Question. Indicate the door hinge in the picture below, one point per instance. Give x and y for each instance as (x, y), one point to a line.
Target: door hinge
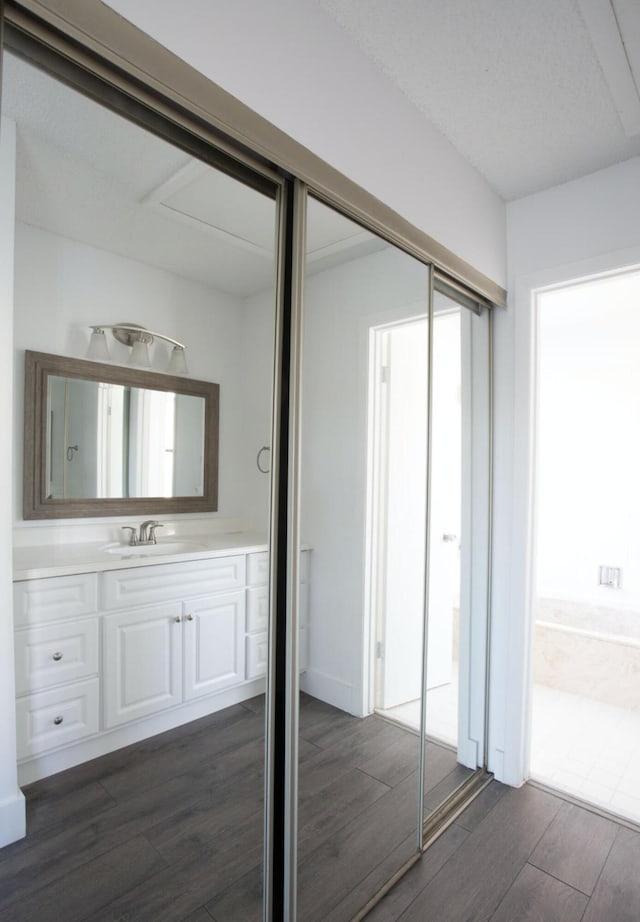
(379, 650)
(385, 373)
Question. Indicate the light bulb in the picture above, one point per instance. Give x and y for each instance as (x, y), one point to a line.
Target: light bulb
(98, 350)
(140, 354)
(178, 362)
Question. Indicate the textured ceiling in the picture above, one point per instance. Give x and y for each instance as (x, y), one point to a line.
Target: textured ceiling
(515, 85)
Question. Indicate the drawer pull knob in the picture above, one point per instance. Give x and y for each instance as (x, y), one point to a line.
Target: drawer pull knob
(57, 657)
(58, 720)
(178, 619)
(189, 617)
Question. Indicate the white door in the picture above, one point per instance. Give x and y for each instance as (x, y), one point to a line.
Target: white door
(402, 445)
(446, 480)
(214, 652)
(142, 662)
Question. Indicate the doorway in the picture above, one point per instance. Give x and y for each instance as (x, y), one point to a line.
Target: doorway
(586, 605)
(400, 382)
(429, 525)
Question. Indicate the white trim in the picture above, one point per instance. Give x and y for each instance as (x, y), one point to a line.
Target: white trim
(369, 329)
(13, 819)
(376, 499)
(332, 690)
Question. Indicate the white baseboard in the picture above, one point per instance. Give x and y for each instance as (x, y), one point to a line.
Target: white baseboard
(330, 689)
(13, 819)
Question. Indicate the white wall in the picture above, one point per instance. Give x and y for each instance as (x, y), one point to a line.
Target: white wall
(291, 63)
(61, 286)
(12, 812)
(257, 337)
(588, 442)
(575, 230)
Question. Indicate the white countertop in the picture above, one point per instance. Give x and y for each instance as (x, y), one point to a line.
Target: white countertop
(66, 559)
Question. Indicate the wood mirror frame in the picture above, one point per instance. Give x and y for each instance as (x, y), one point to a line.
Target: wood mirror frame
(36, 504)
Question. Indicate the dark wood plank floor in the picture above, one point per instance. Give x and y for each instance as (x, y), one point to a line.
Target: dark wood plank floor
(171, 829)
(522, 856)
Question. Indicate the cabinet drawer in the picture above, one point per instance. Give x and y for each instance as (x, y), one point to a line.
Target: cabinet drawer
(257, 654)
(56, 653)
(257, 608)
(53, 718)
(146, 585)
(258, 569)
(58, 598)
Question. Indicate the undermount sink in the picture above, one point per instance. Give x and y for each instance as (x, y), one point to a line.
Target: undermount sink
(154, 550)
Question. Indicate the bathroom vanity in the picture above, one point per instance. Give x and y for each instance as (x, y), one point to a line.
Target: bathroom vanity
(113, 646)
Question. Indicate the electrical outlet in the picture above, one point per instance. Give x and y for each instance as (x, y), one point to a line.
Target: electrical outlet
(611, 577)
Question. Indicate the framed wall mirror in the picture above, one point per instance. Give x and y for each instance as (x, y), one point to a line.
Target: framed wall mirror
(110, 440)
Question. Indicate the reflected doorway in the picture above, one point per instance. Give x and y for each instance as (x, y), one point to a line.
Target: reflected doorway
(400, 382)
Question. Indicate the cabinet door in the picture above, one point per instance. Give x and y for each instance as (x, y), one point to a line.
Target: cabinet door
(213, 643)
(142, 662)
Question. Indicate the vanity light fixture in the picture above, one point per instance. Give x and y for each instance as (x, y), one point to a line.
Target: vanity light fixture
(138, 339)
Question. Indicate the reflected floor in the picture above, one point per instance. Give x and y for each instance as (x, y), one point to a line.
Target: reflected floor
(172, 826)
(587, 748)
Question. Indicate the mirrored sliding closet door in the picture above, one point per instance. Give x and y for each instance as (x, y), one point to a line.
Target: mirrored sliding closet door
(125, 226)
(362, 522)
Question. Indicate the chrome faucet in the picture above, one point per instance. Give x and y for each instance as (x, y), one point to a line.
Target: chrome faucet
(148, 532)
(145, 535)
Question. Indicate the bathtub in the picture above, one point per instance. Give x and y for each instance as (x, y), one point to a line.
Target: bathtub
(588, 650)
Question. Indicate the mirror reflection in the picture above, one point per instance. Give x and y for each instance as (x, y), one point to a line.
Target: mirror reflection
(107, 441)
(103, 439)
(359, 816)
(164, 654)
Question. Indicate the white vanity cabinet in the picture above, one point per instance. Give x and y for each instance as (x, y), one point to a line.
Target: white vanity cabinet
(157, 655)
(57, 662)
(107, 658)
(258, 612)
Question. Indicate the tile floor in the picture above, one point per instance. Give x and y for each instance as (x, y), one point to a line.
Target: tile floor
(587, 749)
(583, 747)
(442, 712)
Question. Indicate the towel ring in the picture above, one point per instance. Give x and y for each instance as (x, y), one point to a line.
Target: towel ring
(263, 470)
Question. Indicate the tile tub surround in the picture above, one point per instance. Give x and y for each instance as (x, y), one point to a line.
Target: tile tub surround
(589, 651)
(598, 619)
